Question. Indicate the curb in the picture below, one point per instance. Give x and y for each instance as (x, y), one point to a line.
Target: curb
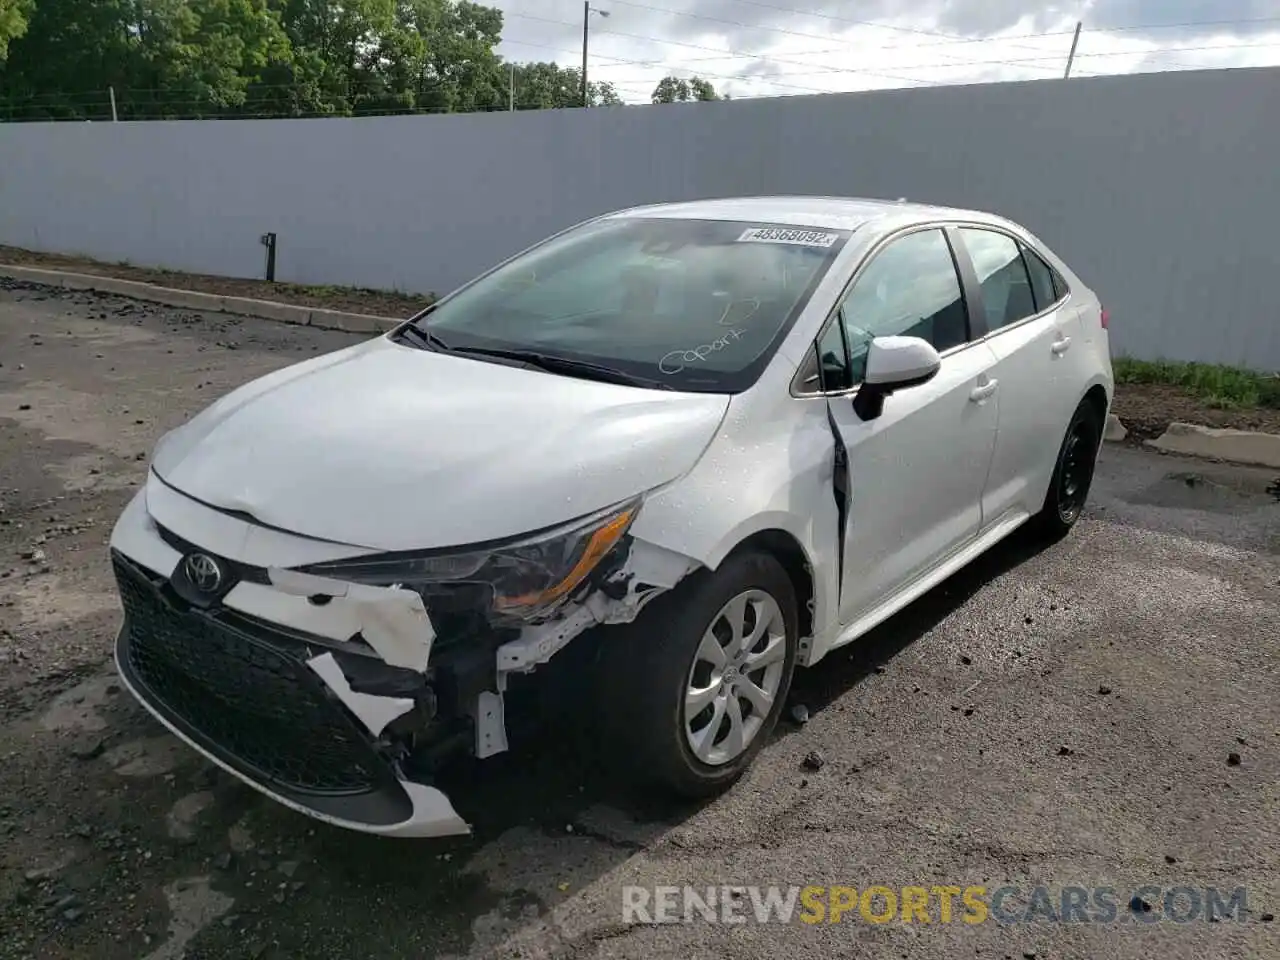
(1233, 446)
(193, 300)
(1115, 431)
(1250, 448)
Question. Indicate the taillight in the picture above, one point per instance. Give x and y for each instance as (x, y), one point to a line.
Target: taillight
(1106, 319)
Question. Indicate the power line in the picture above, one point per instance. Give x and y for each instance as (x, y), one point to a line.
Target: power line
(726, 53)
(749, 26)
(1237, 22)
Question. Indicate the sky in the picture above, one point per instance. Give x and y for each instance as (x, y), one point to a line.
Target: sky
(753, 48)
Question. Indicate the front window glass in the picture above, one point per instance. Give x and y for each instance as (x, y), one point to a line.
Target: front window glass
(910, 289)
(694, 304)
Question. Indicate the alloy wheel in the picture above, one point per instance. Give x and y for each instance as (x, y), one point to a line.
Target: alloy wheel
(735, 677)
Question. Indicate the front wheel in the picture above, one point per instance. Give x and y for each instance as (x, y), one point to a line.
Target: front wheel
(1072, 473)
(700, 678)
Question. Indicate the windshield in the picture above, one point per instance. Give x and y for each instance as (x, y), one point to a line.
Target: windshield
(696, 305)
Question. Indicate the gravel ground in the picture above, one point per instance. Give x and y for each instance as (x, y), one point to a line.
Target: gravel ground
(1101, 713)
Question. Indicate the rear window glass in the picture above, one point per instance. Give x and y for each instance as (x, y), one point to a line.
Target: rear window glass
(1042, 284)
(699, 304)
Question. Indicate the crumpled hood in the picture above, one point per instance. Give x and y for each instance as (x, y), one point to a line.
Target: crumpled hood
(393, 448)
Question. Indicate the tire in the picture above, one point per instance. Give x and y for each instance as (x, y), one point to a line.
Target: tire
(1072, 474)
(651, 664)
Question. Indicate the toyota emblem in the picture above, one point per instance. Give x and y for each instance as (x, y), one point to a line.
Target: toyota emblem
(204, 572)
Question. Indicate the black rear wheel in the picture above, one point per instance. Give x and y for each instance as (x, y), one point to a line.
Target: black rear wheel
(1073, 473)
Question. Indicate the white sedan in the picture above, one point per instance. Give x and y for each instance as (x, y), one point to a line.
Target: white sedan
(714, 439)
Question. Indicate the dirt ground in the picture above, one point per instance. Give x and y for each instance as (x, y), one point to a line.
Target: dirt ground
(378, 303)
(1100, 713)
(1147, 409)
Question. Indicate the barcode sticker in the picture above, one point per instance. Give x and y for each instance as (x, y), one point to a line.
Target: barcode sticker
(804, 238)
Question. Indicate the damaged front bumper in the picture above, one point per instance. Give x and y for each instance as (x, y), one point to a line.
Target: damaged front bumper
(335, 699)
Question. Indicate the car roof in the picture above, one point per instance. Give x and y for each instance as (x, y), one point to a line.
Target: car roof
(832, 213)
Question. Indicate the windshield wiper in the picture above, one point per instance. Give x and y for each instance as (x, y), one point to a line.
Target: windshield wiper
(423, 338)
(556, 364)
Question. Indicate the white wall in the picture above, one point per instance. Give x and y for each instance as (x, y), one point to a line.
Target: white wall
(1161, 190)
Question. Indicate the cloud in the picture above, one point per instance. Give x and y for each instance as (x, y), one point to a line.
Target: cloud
(784, 47)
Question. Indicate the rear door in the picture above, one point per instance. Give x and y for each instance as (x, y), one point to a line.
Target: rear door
(1032, 328)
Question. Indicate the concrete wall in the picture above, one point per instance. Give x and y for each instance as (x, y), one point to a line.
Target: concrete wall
(1161, 190)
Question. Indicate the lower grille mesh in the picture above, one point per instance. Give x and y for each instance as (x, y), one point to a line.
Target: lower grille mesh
(250, 700)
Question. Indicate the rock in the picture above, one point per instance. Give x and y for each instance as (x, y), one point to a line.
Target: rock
(1233, 759)
(88, 749)
(24, 406)
(1065, 751)
(966, 660)
(1104, 690)
(800, 713)
(1267, 917)
(813, 760)
(1170, 859)
(1028, 619)
(1138, 905)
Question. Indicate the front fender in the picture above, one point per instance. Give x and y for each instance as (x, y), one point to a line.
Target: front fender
(761, 473)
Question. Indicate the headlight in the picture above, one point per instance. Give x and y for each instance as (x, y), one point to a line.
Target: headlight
(516, 582)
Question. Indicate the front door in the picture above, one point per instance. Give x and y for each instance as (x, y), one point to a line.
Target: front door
(916, 472)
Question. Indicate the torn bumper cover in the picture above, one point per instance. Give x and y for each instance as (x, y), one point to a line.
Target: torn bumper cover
(337, 699)
(266, 706)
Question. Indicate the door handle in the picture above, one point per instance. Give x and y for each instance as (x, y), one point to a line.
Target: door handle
(1061, 346)
(978, 394)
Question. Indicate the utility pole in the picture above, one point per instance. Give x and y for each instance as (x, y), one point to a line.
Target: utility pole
(112, 92)
(511, 94)
(587, 11)
(1075, 40)
(586, 19)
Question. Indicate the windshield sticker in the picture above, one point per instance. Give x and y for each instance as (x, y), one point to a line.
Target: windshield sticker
(803, 238)
(677, 360)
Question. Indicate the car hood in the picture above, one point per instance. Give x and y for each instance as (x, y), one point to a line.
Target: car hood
(393, 448)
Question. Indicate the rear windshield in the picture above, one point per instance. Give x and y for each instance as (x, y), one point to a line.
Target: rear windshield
(698, 305)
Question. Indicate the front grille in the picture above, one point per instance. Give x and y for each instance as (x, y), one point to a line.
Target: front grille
(248, 698)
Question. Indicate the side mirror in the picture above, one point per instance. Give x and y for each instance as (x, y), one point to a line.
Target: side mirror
(894, 363)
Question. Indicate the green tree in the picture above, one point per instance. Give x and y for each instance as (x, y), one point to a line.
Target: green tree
(456, 68)
(337, 48)
(68, 56)
(549, 86)
(13, 22)
(201, 57)
(678, 90)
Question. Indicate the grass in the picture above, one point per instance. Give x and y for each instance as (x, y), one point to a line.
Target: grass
(1219, 386)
